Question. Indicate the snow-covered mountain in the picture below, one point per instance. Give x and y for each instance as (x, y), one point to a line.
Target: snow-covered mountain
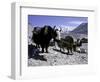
(81, 29)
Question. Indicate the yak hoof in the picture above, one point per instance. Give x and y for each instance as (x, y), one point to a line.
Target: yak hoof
(69, 53)
(42, 51)
(47, 52)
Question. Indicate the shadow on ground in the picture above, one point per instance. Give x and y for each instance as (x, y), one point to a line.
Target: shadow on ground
(62, 52)
(38, 57)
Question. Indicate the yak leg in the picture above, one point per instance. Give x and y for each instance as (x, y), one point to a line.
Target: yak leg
(74, 47)
(42, 48)
(63, 49)
(71, 50)
(68, 50)
(36, 45)
(60, 50)
(46, 48)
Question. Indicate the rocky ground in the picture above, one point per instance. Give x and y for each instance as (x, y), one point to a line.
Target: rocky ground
(55, 57)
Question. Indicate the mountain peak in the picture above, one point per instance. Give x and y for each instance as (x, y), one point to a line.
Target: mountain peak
(81, 29)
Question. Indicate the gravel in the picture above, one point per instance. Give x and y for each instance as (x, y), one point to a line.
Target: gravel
(57, 58)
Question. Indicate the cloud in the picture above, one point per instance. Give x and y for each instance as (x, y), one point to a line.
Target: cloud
(76, 22)
(67, 27)
(71, 25)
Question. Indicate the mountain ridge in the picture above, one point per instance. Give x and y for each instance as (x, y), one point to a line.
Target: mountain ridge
(81, 29)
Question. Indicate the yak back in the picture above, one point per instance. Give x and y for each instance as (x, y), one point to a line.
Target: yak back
(46, 34)
(66, 42)
(69, 39)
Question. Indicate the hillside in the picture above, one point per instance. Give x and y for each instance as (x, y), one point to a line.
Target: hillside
(81, 29)
(30, 29)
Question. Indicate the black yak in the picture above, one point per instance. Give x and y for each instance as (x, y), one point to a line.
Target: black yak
(77, 44)
(67, 43)
(84, 40)
(32, 51)
(77, 47)
(43, 36)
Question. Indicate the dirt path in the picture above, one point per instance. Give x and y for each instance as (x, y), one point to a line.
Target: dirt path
(58, 58)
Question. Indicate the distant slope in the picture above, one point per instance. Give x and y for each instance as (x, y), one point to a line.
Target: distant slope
(81, 29)
(30, 29)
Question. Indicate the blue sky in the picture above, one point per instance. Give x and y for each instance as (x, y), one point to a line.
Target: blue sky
(60, 21)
